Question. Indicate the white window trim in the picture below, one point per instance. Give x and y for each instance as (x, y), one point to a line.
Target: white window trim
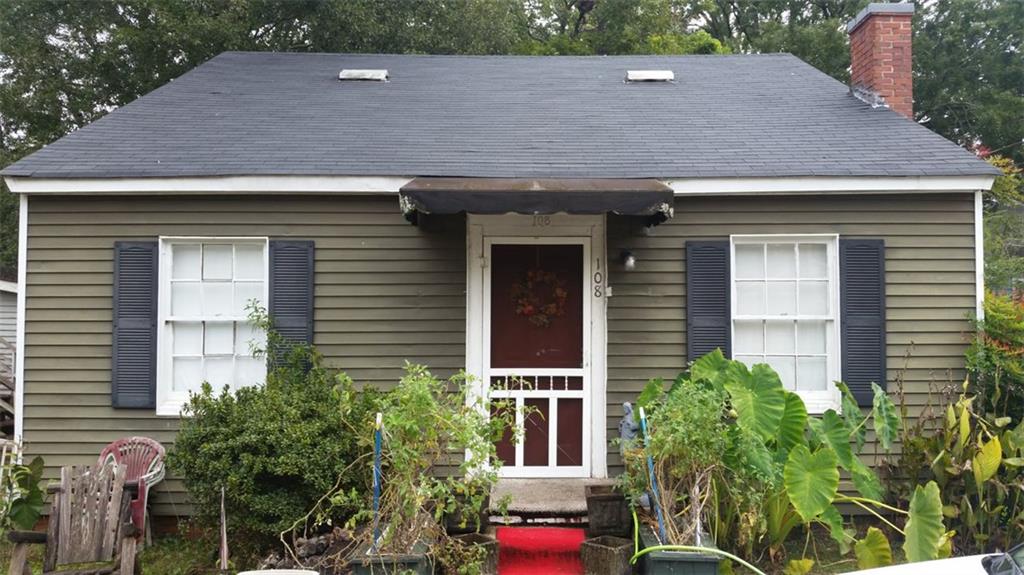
(168, 402)
(816, 402)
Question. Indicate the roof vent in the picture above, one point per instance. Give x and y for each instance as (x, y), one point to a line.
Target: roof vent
(650, 76)
(367, 75)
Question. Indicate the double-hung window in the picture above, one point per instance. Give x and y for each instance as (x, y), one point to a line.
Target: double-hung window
(785, 302)
(206, 286)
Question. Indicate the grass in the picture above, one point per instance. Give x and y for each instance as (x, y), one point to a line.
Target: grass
(171, 555)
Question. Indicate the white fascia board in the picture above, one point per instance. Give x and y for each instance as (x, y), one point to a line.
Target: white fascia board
(210, 185)
(10, 287)
(19, 345)
(824, 184)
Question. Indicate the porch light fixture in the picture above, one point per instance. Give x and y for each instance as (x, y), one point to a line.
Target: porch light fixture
(364, 75)
(628, 260)
(650, 76)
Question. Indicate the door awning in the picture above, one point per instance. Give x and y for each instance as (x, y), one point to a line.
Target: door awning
(649, 198)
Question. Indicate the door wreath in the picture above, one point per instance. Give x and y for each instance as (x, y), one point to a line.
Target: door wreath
(540, 297)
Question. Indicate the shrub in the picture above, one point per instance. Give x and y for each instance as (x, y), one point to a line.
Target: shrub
(275, 448)
(995, 358)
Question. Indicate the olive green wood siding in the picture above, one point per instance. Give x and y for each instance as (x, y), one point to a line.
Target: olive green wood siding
(930, 281)
(385, 292)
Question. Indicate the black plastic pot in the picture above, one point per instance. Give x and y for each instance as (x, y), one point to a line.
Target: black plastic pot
(607, 512)
(606, 555)
(490, 547)
(362, 562)
(674, 562)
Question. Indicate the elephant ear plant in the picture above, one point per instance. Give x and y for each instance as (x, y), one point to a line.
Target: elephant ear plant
(737, 454)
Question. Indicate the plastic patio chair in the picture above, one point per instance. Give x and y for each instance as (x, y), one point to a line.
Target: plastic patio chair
(144, 459)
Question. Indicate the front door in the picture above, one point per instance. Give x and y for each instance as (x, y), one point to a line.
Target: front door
(537, 312)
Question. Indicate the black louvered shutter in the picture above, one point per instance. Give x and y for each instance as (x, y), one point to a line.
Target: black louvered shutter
(862, 315)
(291, 289)
(708, 298)
(133, 365)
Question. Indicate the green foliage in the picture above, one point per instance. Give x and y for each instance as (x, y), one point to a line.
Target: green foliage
(924, 530)
(758, 397)
(812, 480)
(873, 550)
(275, 448)
(22, 497)
(974, 458)
(994, 361)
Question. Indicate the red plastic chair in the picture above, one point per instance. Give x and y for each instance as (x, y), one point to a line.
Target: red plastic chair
(144, 459)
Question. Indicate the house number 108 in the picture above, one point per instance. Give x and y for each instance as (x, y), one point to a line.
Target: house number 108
(598, 279)
(541, 221)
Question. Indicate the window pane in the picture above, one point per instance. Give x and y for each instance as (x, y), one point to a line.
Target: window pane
(188, 373)
(249, 371)
(780, 336)
(246, 335)
(781, 298)
(786, 369)
(750, 261)
(248, 262)
(749, 337)
(750, 360)
(220, 338)
(185, 299)
(244, 293)
(782, 261)
(188, 338)
(814, 298)
(185, 261)
(812, 374)
(219, 371)
(750, 298)
(217, 261)
(217, 299)
(813, 261)
(811, 337)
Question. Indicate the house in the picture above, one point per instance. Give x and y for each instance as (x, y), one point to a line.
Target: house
(8, 357)
(557, 218)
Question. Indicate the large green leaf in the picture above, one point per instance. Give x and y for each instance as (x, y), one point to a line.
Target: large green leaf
(866, 480)
(812, 480)
(874, 550)
(834, 521)
(853, 416)
(833, 432)
(711, 367)
(758, 397)
(793, 423)
(887, 418)
(986, 463)
(924, 529)
(649, 396)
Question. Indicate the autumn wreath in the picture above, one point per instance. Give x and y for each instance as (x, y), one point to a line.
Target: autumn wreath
(539, 297)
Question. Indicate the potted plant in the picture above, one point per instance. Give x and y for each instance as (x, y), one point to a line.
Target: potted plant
(438, 460)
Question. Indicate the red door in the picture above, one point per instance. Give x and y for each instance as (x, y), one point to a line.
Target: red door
(536, 354)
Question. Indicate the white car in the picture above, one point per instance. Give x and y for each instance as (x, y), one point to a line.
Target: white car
(1009, 563)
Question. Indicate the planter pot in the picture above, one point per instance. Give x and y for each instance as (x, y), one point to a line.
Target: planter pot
(607, 512)
(606, 555)
(674, 562)
(453, 521)
(362, 562)
(488, 544)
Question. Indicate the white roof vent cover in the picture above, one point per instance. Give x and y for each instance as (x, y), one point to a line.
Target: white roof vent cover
(367, 75)
(650, 76)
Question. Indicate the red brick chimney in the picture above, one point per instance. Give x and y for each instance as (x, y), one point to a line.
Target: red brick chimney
(880, 59)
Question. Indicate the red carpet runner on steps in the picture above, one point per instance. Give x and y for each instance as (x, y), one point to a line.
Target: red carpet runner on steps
(539, 551)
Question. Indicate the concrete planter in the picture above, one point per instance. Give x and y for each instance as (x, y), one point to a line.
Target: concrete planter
(489, 545)
(362, 562)
(606, 555)
(674, 562)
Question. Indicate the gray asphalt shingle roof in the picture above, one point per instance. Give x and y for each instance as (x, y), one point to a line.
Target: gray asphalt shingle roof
(494, 116)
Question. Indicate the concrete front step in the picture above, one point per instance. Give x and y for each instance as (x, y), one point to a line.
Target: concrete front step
(544, 498)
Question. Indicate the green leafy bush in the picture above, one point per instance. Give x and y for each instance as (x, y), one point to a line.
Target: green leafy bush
(21, 495)
(736, 452)
(995, 359)
(275, 448)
